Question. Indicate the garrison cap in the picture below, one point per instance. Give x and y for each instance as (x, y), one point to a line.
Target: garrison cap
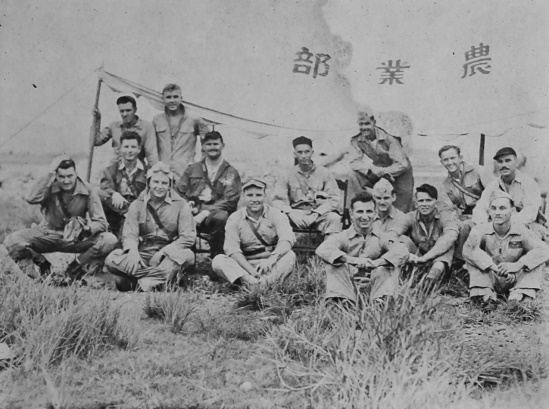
(383, 186)
(429, 189)
(254, 183)
(500, 194)
(302, 140)
(505, 151)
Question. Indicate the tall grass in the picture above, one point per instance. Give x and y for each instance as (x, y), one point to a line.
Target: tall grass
(174, 308)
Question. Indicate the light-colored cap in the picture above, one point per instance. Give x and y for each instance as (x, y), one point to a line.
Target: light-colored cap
(160, 167)
(500, 194)
(383, 186)
(254, 182)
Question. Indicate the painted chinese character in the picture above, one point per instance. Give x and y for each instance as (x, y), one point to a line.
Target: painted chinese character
(321, 59)
(477, 60)
(303, 56)
(392, 74)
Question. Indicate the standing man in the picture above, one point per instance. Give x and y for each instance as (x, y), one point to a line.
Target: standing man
(66, 202)
(308, 194)
(157, 237)
(258, 242)
(504, 256)
(433, 235)
(176, 131)
(130, 122)
(360, 249)
(387, 215)
(212, 187)
(123, 181)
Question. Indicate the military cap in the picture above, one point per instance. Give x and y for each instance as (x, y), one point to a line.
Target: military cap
(383, 186)
(302, 140)
(254, 183)
(160, 167)
(365, 114)
(505, 151)
(430, 190)
(124, 99)
(500, 194)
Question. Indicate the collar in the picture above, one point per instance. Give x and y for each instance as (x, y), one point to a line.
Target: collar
(298, 169)
(437, 214)
(391, 214)
(263, 214)
(224, 164)
(352, 233)
(182, 109)
(139, 165)
(80, 188)
(519, 177)
(515, 229)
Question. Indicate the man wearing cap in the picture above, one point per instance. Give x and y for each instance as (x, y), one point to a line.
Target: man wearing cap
(362, 250)
(66, 202)
(524, 190)
(130, 122)
(386, 214)
(157, 236)
(123, 181)
(258, 242)
(176, 131)
(504, 256)
(212, 187)
(433, 235)
(308, 194)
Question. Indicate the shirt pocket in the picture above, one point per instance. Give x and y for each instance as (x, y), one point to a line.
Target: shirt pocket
(514, 250)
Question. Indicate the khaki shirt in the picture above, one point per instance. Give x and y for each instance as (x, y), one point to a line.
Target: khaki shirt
(526, 196)
(273, 226)
(174, 213)
(374, 245)
(115, 178)
(485, 249)
(469, 180)
(394, 218)
(297, 190)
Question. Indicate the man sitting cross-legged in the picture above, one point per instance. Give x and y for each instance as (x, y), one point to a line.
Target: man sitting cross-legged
(66, 202)
(359, 249)
(258, 242)
(157, 236)
(122, 182)
(504, 255)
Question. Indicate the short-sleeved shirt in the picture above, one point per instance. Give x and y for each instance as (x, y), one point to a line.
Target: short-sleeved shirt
(272, 226)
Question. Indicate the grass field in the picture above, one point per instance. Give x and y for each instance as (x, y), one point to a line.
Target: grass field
(206, 346)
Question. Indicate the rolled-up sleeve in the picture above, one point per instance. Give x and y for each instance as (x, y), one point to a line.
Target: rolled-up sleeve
(232, 243)
(186, 236)
(40, 189)
(102, 136)
(98, 222)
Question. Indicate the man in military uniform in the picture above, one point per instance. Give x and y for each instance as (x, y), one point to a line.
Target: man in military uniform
(212, 186)
(308, 194)
(432, 235)
(157, 236)
(504, 256)
(386, 214)
(66, 202)
(258, 242)
(123, 181)
(360, 250)
(130, 122)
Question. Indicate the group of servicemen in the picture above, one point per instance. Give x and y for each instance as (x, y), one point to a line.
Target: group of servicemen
(143, 220)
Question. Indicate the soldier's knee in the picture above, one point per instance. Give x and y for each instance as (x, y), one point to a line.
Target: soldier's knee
(15, 244)
(107, 242)
(219, 217)
(289, 257)
(111, 259)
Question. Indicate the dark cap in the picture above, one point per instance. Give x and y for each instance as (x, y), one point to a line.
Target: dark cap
(213, 136)
(254, 183)
(430, 190)
(302, 140)
(505, 151)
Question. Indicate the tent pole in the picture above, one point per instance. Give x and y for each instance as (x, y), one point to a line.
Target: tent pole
(93, 130)
(481, 149)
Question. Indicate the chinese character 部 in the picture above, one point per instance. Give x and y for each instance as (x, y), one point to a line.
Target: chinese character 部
(392, 74)
(304, 63)
(477, 60)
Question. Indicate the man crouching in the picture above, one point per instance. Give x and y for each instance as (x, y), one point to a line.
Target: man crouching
(258, 242)
(157, 236)
(67, 202)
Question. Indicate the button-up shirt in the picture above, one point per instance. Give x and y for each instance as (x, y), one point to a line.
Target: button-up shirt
(143, 128)
(272, 226)
(526, 197)
(174, 213)
(387, 223)
(468, 180)
(178, 150)
(297, 190)
(374, 245)
(84, 200)
(115, 178)
(485, 249)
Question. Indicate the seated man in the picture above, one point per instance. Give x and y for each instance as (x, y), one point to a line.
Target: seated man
(123, 181)
(386, 214)
(66, 202)
(308, 194)
(358, 249)
(432, 235)
(504, 256)
(212, 187)
(157, 236)
(258, 242)
(130, 122)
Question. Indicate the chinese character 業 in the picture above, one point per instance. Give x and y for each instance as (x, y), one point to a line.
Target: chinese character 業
(392, 74)
(477, 59)
(304, 62)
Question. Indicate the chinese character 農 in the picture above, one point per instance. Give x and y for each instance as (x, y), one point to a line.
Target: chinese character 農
(477, 60)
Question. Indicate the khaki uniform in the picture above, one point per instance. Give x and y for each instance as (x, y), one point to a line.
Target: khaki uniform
(375, 245)
(141, 233)
(484, 249)
(272, 227)
(470, 181)
(296, 192)
(393, 218)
